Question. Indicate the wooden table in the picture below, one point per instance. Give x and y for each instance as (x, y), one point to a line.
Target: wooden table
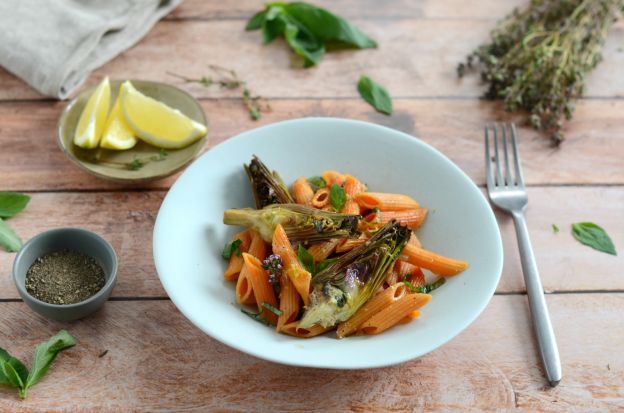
(157, 360)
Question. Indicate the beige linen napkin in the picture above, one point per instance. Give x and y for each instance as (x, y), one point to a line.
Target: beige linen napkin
(53, 45)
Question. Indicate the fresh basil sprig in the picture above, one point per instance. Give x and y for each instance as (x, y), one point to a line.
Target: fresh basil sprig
(593, 236)
(375, 95)
(316, 182)
(13, 372)
(307, 29)
(307, 260)
(11, 203)
(337, 197)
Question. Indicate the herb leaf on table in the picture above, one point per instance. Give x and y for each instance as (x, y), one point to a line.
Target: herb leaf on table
(8, 238)
(14, 373)
(375, 95)
(12, 203)
(593, 236)
(308, 30)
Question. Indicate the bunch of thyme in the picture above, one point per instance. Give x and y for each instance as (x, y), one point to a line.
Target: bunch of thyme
(228, 79)
(537, 59)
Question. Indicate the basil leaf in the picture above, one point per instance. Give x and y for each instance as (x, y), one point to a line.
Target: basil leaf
(8, 238)
(304, 44)
(316, 182)
(337, 197)
(328, 27)
(12, 371)
(325, 263)
(232, 247)
(45, 353)
(11, 203)
(555, 228)
(593, 236)
(375, 95)
(272, 309)
(256, 21)
(425, 289)
(307, 260)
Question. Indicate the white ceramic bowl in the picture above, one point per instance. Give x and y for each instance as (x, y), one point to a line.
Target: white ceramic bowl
(189, 236)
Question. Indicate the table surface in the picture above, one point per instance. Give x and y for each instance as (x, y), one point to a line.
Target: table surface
(157, 360)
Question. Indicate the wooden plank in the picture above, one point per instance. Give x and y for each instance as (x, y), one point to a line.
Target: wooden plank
(30, 159)
(353, 9)
(415, 58)
(157, 361)
(126, 220)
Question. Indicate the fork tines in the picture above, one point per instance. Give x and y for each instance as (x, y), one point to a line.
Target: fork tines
(502, 176)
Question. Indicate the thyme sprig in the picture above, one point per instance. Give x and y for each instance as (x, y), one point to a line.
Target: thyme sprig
(538, 59)
(228, 79)
(136, 163)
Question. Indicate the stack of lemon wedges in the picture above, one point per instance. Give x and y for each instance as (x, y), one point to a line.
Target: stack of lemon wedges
(133, 116)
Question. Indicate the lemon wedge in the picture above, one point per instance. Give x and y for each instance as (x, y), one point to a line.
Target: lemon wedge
(93, 117)
(117, 134)
(156, 123)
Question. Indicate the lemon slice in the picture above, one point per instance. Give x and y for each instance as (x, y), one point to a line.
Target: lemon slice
(93, 117)
(156, 123)
(117, 134)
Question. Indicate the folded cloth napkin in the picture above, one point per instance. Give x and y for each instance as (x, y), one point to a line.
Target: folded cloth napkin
(53, 45)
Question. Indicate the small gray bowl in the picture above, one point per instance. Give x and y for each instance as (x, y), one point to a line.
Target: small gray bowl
(75, 239)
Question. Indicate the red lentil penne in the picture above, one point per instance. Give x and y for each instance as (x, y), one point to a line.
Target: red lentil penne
(393, 313)
(292, 267)
(411, 218)
(303, 192)
(244, 290)
(333, 177)
(385, 201)
(322, 250)
(320, 198)
(262, 289)
(236, 262)
(433, 262)
(293, 329)
(350, 243)
(258, 247)
(289, 303)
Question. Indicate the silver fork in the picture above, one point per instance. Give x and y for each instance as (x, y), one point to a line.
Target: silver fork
(506, 191)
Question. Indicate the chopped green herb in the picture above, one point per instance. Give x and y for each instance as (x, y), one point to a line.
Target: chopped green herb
(375, 95)
(593, 236)
(307, 260)
(232, 247)
(272, 309)
(307, 29)
(316, 182)
(12, 203)
(13, 372)
(256, 316)
(337, 197)
(425, 289)
(555, 228)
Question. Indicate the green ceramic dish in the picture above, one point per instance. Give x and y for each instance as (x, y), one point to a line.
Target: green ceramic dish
(113, 165)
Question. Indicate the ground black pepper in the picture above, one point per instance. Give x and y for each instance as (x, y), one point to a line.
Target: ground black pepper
(64, 277)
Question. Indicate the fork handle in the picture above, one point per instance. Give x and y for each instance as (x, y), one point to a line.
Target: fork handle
(537, 303)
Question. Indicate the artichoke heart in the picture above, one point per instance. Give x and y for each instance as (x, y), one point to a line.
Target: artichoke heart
(345, 285)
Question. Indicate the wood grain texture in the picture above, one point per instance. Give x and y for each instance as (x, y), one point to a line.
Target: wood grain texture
(30, 159)
(126, 220)
(352, 9)
(157, 361)
(415, 58)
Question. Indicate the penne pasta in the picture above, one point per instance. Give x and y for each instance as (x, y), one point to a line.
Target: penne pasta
(351, 207)
(385, 201)
(377, 303)
(244, 290)
(262, 289)
(258, 247)
(414, 273)
(302, 192)
(320, 198)
(353, 186)
(433, 262)
(289, 303)
(393, 313)
(350, 243)
(236, 261)
(411, 218)
(392, 277)
(292, 267)
(410, 317)
(333, 177)
(322, 250)
(292, 329)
